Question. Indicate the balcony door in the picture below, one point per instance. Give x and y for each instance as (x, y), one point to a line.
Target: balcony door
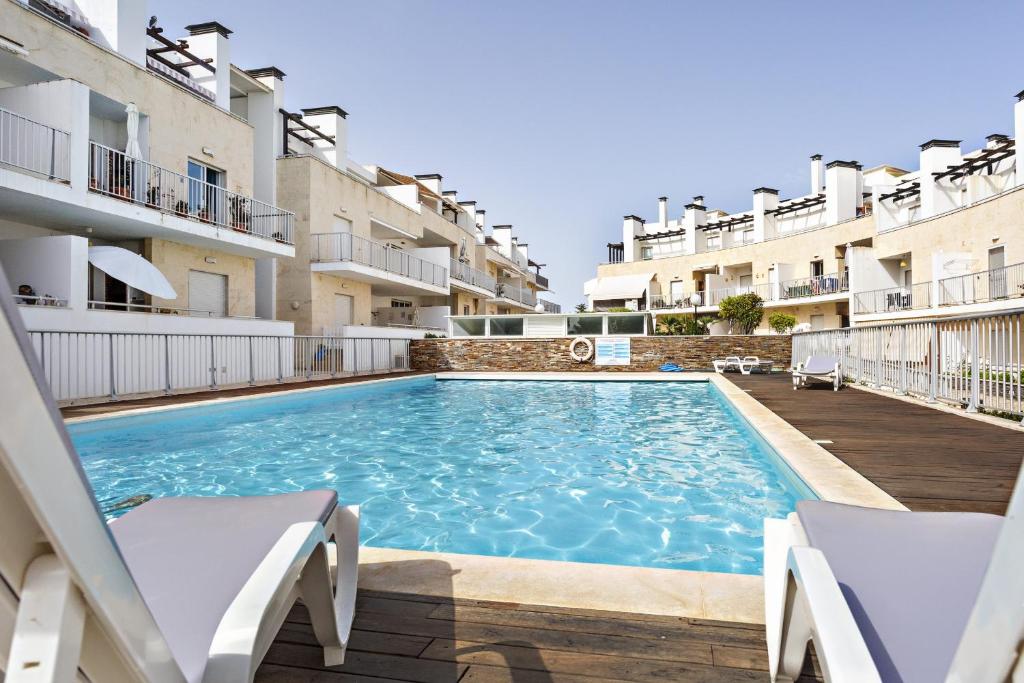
(205, 198)
(997, 273)
(677, 293)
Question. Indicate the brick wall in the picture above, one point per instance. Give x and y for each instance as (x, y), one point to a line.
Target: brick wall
(552, 355)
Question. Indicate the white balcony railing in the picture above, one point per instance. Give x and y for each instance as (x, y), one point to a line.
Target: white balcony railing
(346, 247)
(988, 285)
(816, 285)
(114, 173)
(471, 276)
(916, 296)
(510, 292)
(33, 146)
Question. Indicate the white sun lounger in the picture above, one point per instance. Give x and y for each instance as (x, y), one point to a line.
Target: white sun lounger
(750, 363)
(177, 590)
(896, 596)
(721, 366)
(818, 367)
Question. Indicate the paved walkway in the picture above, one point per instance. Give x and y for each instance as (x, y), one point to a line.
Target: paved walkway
(925, 458)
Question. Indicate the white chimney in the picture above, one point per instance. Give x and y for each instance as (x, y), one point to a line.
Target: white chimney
(817, 174)
(765, 199)
(663, 212)
(432, 181)
(209, 40)
(699, 200)
(632, 227)
(481, 224)
(941, 196)
(694, 217)
(840, 191)
(332, 122)
(268, 132)
(119, 25)
(1018, 131)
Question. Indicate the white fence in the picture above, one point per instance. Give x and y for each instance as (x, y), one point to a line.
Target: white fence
(976, 362)
(33, 146)
(114, 173)
(94, 365)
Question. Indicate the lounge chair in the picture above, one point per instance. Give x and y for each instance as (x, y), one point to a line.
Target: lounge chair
(179, 589)
(818, 367)
(730, 362)
(750, 363)
(896, 596)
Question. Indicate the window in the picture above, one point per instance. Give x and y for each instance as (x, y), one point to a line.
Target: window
(590, 324)
(714, 241)
(646, 253)
(400, 303)
(506, 327)
(205, 195)
(340, 224)
(817, 268)
(625, 324)
(747, 237)
(465, 310)
(469, 327)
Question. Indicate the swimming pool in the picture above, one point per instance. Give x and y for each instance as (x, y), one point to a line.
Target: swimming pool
(655, 474)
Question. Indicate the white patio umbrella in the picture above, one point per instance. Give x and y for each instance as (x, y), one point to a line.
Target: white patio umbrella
(132, 148)
(133, 270)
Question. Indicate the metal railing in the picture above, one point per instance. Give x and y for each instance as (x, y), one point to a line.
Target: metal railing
(45, 300)
(816, 285)
(463, 272)
(542, 281)
(550, 306)
(33, 146)
(976, 362)
(97, 365)
(346, 247)
(522, 295)
(916, 296)
(988, 285)
(116, 174)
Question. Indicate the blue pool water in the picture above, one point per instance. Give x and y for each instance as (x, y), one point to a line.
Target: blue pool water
(653, 474)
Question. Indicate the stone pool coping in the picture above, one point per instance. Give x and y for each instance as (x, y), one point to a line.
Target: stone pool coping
(640, 590)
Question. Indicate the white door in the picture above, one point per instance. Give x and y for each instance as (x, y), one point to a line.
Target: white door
(342, 309)
(208, 292)
(676, 292)
(746, 283)
(996, 273)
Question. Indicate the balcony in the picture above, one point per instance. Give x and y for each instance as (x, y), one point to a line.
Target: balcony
(34, 147)
(117, 175)
(893, 299)
(390, 270)
(988, 285)
(473, 280)
(542, 282)
(550, 306)
(816, 285)
(514, 296)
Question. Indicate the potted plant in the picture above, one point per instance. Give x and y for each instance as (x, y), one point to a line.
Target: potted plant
(181, 208)
(153, 197)
(240, 214)
(279, 236)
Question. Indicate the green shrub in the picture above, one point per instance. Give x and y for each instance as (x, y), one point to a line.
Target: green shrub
(581, 308)
(782, 323)
(683, 324)
(620, 309)
(431, 335)
(743, 311)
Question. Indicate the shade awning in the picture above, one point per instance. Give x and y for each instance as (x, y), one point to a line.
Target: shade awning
(621, 287)
(133, 270)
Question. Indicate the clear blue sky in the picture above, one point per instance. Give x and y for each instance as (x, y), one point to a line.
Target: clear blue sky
(561, 117)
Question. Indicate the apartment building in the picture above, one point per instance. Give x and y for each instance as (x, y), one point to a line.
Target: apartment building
(134, 190)
(148, 184)
(862, 246)
(385, 253)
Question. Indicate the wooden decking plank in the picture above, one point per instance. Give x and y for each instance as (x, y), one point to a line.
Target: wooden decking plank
(927, 459)
(412, 669)
(362, 641)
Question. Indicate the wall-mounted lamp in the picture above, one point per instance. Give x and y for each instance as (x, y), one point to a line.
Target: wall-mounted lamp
(210, 259)
(208, 151)
(295, 305)
(903, 263)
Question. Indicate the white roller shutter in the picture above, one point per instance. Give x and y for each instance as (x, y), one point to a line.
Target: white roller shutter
(208, 292)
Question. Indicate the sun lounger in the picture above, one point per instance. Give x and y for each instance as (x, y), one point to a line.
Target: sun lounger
(818, 367)
(896, 596)
(721, 366)
(750, 363)
(182, 589)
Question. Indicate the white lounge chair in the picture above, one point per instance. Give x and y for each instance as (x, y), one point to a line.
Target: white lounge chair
(180, 589)
(730, 362)
(750, 363)
(896, 596)
(818, 367)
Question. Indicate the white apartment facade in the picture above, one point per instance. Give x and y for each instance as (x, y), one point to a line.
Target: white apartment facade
(862, 246)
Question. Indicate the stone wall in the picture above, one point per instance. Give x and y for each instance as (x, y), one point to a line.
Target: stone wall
(552, 355)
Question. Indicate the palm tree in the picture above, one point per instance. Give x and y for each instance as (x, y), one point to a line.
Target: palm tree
(581, 308)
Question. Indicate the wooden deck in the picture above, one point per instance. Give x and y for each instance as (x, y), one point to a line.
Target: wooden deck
(925, 458)
(442, 640)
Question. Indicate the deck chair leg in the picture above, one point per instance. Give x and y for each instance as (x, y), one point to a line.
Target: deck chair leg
(343, 529)
(48, 631)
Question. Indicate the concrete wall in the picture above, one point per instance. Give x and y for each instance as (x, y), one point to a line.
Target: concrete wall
(552, 355)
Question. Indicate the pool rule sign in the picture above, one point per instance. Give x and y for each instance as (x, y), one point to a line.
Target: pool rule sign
(611, 351)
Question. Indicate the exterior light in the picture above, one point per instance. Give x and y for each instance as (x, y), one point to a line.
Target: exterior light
(903, 263)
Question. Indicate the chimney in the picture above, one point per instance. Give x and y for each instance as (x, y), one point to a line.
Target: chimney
(699, 200)
(1018, 131)
(996, 139)
(432, 181)
(481, 224)
(268, 132)
(632, 227)
(524, 249)
(209, 40)
(332, 122)
(938, 197)
(817, 174)
(694, 217)
(663, 212)
(840, 191)
(765, 200)
(119, 25)
(860, 185)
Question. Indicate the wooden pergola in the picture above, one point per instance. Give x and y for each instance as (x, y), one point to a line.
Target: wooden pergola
(301, 126)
